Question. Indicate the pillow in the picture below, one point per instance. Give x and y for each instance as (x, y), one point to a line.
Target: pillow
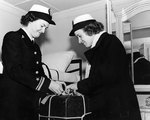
(63, 76)
(57, 64)
(59, 61)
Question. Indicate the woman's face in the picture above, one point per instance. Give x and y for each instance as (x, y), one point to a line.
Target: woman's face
(84, 38)
(37, 27)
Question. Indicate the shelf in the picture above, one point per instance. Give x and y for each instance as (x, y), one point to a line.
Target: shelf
(142, 89)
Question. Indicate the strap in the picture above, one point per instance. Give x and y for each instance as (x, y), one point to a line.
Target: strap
(56, 73)
(57, 117)
(77, 117)
(44, 100)
(49, 74)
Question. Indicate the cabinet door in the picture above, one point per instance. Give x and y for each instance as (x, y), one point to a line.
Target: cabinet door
(144, 103)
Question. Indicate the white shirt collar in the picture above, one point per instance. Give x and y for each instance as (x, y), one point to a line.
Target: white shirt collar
(97, 36)
(31, 38)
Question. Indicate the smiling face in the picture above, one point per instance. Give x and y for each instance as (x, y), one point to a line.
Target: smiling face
(84, 38)
(37, 27)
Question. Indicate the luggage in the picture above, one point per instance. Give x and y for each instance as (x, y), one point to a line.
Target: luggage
(64, 107)
(70, 106)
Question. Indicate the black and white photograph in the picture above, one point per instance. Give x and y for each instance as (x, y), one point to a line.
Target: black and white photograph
(75, 60)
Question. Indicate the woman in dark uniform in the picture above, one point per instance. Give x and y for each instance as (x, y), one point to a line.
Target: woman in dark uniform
(108, 86)
(23, 77)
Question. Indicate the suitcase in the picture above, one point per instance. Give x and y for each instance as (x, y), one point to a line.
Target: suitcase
(64, 107)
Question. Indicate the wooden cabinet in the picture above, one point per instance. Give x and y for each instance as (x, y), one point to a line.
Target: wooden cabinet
(143, 95)
(145, 113)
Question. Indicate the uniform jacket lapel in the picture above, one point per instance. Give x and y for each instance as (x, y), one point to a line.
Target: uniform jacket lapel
(25, 37)
(100, 44)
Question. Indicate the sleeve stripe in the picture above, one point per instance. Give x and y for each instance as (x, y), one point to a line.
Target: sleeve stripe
(40, 83)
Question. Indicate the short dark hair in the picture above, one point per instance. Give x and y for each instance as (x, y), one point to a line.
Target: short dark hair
(29, 17)
(93, 28)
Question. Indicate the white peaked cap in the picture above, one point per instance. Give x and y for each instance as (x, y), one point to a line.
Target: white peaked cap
(42, 12)
(39, 8)
(81, 21)
(82, 18)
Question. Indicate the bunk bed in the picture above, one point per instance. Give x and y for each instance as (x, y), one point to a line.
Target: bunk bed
(139, 54)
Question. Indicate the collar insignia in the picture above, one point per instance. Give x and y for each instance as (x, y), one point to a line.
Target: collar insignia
(22, 36)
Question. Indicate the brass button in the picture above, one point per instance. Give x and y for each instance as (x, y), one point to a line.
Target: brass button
(36, 72)
(37, 79)
(35, 53)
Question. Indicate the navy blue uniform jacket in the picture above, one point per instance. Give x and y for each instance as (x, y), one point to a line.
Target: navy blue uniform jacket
(109, 86)
(23, 77)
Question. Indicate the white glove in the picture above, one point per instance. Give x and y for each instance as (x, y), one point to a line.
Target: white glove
(56, 87)
(71, 87)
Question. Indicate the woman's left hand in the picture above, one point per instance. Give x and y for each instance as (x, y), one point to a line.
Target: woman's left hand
(72, 86)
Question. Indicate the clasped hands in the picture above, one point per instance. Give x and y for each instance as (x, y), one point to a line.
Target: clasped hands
(60, 88)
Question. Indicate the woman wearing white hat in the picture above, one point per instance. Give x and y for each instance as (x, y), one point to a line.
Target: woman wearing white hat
(23, 76)
(108, 86)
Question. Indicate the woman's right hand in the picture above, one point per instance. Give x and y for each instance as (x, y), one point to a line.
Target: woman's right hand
(56, 87)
